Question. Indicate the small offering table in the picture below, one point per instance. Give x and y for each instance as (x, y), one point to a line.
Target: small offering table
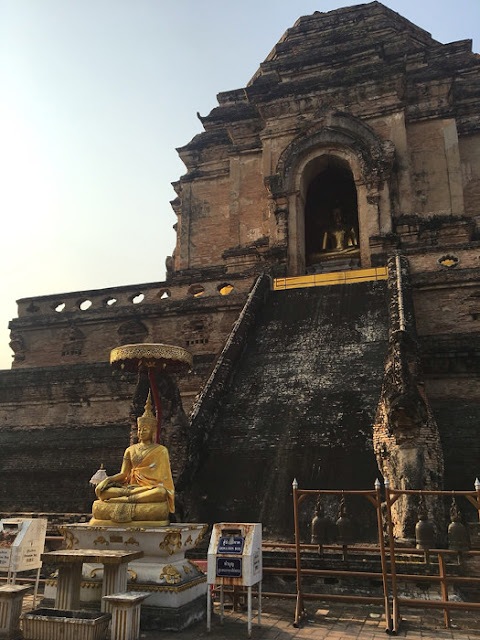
(70, 561)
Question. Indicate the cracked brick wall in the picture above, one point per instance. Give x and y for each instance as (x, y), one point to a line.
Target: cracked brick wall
(58, 425)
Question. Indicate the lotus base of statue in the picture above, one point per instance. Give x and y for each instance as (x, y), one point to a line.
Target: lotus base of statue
(151, 514)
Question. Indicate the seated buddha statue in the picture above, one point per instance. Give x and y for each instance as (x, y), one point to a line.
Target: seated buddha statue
(339, 236)
(142, 492)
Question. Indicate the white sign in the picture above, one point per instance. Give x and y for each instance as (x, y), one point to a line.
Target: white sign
(22, 542)
(235, 554)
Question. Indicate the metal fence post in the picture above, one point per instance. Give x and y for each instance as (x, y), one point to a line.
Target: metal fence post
(299, 608)
(393, 567)
(383, 558)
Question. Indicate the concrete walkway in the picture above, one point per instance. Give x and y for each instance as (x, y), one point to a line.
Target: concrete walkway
(333, 623)
(323, 622)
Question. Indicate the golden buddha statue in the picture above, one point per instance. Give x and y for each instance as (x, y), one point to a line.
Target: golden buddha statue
(339, 236)
(142, 492)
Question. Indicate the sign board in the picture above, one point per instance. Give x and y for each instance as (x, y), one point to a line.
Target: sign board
(235, 554)
(231, 544)
(5, 553)
(22, 542)
(229, 568)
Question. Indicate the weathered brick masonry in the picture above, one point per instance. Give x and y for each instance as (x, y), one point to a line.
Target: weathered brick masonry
(284, 414)
(405, 433)
(357, 138)
(58, 424)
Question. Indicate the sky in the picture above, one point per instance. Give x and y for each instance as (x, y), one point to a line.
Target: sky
(95, 95)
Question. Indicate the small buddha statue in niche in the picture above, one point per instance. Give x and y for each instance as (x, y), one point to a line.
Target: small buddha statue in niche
(143, 490)
(339, 236)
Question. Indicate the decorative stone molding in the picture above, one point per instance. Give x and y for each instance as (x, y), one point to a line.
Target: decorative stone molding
(17, 345)
(132, 331)
(340, 130)
(448, 261)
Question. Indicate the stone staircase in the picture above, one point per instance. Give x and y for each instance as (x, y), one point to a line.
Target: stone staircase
(283, 413)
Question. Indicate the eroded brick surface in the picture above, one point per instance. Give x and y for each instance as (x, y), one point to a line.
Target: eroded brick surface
(285, 416)
(361, 91)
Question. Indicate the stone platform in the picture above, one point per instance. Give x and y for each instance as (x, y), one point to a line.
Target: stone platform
(332, 621)
(177, 586)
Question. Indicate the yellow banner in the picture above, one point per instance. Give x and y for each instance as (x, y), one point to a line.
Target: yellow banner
(328, 279)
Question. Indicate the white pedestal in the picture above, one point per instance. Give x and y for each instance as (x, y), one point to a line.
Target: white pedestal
(125, 610)
(11, 599)
(177, 587)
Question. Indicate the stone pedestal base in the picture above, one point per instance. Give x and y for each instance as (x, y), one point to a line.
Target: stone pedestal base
(335, 262)
(174, 619)
(176, 586)
(125, 610)
(11, 600)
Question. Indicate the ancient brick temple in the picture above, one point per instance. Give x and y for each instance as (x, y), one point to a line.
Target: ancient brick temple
(354, 149)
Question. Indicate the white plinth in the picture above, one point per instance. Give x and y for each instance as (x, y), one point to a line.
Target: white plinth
(11, 600)
(125, 609)
(177, 587)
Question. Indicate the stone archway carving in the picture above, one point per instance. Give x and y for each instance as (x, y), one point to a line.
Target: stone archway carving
(132, 331)
(352, 142)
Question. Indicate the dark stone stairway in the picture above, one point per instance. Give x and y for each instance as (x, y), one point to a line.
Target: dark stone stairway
(300, 403)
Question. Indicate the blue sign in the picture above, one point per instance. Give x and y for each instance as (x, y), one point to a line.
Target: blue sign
(229, 567)
(231, 544)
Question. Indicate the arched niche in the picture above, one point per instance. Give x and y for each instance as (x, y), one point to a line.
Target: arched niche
(350, 145)
(331, 216)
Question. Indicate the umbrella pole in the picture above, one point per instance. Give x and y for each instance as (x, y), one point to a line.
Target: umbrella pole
(156, 398)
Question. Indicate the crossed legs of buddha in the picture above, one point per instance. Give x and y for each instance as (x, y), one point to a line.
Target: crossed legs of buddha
(134, 493)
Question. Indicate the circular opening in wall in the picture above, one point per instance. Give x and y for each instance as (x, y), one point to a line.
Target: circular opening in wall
(196, 290)
(109, 302)
(139, 297)
(163, 294)
(225, 289)
(59, 307)
(84, 305)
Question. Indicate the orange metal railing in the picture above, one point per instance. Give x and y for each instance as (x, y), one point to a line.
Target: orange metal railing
(389, 553)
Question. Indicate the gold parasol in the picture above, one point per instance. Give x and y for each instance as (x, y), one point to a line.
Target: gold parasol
(152, 358)
(160, 357)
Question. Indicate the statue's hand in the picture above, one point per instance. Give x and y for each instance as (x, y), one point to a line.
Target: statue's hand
(101, 486)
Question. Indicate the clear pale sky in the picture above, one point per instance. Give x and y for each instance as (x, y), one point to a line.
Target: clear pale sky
(94, 97)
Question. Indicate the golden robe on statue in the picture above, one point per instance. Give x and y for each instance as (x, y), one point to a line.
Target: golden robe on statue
(151, 470)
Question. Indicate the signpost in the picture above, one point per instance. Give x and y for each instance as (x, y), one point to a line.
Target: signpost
(22, 542)
(235, 558)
